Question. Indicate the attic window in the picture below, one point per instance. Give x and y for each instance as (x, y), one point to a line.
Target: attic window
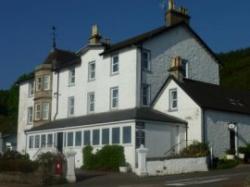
(235, 102)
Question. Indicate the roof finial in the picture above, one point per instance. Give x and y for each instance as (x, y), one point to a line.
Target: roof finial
(54, 37)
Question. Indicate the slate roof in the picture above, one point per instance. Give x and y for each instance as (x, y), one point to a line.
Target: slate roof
(62, 58)
(121, 115)
(211, 96)
(137, 40)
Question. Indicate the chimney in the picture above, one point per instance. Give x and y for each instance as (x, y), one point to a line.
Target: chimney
(176, 69)
(176, 15)
(95, 37)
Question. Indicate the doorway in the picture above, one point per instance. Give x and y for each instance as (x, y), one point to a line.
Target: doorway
(60, 141)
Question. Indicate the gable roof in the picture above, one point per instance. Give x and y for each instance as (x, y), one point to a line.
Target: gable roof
(61, 59)
(153, 33)
(211, 96)
(121, 115)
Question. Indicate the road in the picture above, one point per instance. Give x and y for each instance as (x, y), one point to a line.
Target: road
(219, 178)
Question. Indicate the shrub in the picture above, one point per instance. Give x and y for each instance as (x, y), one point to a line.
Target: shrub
(109, 158)
(13, 155)
(242, 150)
(47, 163)
(12, 161)
(227, 164)
(196, 149)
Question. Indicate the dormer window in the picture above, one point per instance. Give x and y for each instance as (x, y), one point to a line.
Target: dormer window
(185, 68)
(173, 100)
(145, 94)
(72, 77)
(146, 58)
(43, 83)
(115, 65)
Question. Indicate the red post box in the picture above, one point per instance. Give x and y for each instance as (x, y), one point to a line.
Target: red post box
(58, 167)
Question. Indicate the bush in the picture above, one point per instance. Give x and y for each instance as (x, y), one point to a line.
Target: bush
(47, 163)
(196, 149)
(227, 164)
(242, 150)
(12, 161)
(109, 158)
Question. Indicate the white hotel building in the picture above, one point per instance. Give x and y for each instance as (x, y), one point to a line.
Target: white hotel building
(124, 94)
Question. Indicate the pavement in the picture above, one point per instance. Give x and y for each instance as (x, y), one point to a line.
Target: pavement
(237, 177)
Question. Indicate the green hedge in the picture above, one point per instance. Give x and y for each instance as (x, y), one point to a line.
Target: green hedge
(227, 164)
(109, 158)
(196, 149)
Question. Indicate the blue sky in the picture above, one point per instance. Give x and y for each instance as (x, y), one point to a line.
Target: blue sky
(25, 26)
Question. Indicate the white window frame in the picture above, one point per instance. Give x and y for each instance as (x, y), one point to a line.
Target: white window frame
(73, 138)
(172, 100)
(45, 111)
(112, 99)
(31, 142)
(72, 77)
(113, 63)
(31, 89)
(38, 112)
(91, 103)
(81, 135)
(46, 82)
(147, 95)
(91, 72)
(148, 68)
(30, 115)
(71, 107)
(39, 141)
(39, 83)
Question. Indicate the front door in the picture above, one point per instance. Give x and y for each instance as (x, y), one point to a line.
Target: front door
(232, 139)
(60, 142)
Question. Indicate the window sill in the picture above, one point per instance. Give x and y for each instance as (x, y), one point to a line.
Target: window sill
(91, 80)
(173, 110)
(114, 73)
(147, 71)
(71, 85)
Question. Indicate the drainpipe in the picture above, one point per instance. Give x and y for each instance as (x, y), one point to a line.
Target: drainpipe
(57, 96)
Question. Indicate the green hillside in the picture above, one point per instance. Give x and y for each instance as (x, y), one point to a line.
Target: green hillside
(235, 72)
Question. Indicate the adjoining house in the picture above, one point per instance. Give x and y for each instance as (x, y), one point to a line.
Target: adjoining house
(160, 89)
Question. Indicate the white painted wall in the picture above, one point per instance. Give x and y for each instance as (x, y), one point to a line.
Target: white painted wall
(217, 133)
(161, 137)
(125, 80)
(188, 110)
(177, 166)
(178, 42)
(129, 149)
(24, 102)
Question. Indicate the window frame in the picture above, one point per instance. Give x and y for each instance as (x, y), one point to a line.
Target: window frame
(45, 113)
(108, 138)
(39, 83)
(47, 141)
(72, 77)
(71, 106)
(37, 140)
(80, 139)
(148, 52)
(112, 99)
(113, 64)
(67, 135)
(30, 115)
(171, 99)
(38, 117)
(113, 136)
(147, 95)
(185, 68)
(95, 143)
(85, 133)
(31, 89)
(46, 77)
(91, 102)
(123, 135)
(31, 142)
(91, 71)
